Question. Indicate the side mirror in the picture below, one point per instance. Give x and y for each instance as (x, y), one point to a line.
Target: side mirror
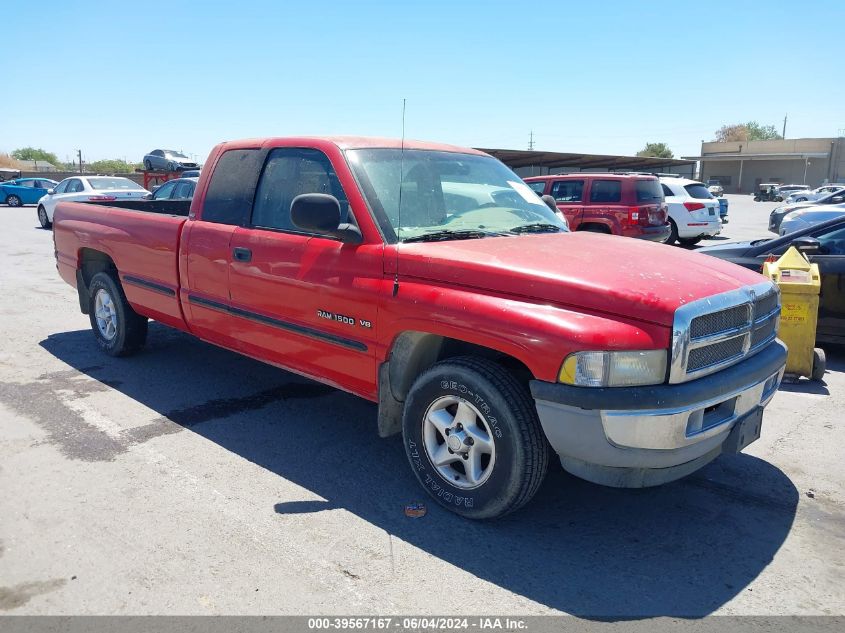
(550, 202)
(806, 244)
(837, 199)
(50, 192)
(320, 213)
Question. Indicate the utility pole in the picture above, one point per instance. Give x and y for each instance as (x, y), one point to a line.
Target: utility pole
(531, 141)
(79, 153)
(784, 125)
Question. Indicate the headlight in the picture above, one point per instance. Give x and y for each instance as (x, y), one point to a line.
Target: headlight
(614, 369)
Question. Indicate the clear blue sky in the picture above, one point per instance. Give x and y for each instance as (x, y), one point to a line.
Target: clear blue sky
(120, 78)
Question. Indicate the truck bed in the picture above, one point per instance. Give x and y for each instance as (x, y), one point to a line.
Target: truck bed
(169, 207)
(144, 247)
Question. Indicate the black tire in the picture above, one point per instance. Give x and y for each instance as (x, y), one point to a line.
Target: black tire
(673, 232)
(819, 365)
(689, 241)
(148, 165)
(43, 220)
(506, 410)
(130, 329)
(13, 201)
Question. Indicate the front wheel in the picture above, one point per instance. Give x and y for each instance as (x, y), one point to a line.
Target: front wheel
(119, 330)
(13, 201)
(148, 165)
(473, 438)
(43, 220)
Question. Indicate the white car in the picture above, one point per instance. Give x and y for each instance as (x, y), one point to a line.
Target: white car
(693, 211)
(87, 188)
(805, 218)
(715, 187)
(815, 194)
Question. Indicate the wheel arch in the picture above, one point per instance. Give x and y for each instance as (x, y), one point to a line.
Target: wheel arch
(90, 262)
(411, 353)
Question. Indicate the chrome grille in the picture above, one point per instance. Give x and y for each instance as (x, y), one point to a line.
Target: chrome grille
(702, 357)
(719, 331)
(722, 321)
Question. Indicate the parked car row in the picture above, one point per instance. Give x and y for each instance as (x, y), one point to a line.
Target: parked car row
(805, 195)
(779, 214)
(661, 209)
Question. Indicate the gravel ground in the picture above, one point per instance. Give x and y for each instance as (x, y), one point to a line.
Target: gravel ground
(190, 480)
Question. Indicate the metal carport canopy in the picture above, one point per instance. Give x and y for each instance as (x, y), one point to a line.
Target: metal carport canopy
(531, 158)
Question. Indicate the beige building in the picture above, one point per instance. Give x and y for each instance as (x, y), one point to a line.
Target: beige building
(742, 165)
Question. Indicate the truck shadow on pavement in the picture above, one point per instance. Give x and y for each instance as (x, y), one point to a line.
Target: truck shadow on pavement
(684, 549)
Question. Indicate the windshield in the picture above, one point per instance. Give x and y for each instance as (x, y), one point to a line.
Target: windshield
(113, 183)
(446, 193)
(172, 154)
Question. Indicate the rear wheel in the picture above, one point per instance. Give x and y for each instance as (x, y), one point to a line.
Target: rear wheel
(473, 438)
(673, 232)
(689, 241)
(13, 201)
(42, 217)
(119, 330)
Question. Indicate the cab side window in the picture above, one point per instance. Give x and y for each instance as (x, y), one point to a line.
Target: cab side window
(74, 186)
(230, 192)
(666, 190)
(290, 172)
(61, 187)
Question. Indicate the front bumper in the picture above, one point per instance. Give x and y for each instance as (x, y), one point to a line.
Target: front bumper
(644, 436)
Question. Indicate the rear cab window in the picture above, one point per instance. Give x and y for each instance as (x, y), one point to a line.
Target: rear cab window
(698, 191)
(228, 199)
(606, 191)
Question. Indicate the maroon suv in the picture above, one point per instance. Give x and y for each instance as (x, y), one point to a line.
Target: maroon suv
(621, 204)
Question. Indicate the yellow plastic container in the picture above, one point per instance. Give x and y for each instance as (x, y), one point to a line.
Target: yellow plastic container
(799, 282)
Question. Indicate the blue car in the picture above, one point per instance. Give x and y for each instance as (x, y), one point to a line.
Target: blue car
(24, 190)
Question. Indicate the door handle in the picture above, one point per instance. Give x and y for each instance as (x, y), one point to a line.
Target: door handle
(242, 254)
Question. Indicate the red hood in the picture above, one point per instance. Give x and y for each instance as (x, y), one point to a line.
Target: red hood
(604, 273)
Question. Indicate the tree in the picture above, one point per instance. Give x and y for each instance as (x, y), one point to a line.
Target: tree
(32, 153)
(751, 131)
(112, 166)
(657, 150)
(757, 132)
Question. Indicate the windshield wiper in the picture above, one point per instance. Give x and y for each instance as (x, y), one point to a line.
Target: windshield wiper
(446, 235)
(538, 227)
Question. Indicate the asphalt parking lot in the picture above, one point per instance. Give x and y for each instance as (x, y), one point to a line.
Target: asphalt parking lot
(190, 480)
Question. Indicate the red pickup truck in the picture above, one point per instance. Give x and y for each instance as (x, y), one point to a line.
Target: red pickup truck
(432, 280)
